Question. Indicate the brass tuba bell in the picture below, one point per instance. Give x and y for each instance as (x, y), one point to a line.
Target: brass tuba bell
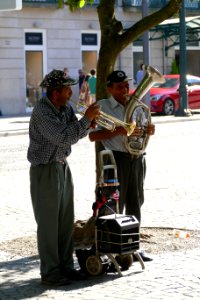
(139, 113)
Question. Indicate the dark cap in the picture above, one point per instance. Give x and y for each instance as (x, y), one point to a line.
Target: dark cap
(117, 76)
(57, 78)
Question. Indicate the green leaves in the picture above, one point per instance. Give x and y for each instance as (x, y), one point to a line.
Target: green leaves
(75, 4)
(82, 3)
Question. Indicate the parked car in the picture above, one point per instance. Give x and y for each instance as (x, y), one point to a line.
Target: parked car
(165, 96)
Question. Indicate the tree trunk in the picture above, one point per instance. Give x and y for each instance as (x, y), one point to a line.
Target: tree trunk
(114, 38)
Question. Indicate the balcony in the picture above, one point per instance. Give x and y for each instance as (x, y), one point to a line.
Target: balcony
(189, 5)
(138, 3)
(50, 3)
(40, 3)
(94, 4)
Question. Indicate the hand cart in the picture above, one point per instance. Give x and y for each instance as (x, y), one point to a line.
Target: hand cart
(108, 238)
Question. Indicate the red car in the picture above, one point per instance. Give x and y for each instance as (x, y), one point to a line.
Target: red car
(165, 96)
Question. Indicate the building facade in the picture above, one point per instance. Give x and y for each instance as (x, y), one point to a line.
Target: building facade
(41, 37)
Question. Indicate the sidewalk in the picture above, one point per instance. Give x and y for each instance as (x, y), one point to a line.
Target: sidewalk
(168, 276)
(14, 125)
(19, 125)
(171, 200)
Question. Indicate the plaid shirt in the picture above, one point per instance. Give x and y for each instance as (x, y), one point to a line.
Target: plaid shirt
(52, 132)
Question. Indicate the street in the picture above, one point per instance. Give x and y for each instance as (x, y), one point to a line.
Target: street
(172, 194)
(172, 179)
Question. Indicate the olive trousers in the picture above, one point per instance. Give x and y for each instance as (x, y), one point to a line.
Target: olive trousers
(52, 194)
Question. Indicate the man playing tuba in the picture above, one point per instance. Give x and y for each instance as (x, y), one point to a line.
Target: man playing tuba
(131, 169)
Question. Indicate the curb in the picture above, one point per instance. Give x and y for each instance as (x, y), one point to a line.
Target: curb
(13, 132)
(155, 120)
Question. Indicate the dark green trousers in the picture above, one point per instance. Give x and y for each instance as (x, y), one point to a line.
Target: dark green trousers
(52, 195)
(131, 176)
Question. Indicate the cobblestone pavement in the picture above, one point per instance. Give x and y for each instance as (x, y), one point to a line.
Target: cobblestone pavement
(172, 194)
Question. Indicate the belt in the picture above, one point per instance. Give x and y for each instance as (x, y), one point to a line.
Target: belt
(63, 162)
(127, 155)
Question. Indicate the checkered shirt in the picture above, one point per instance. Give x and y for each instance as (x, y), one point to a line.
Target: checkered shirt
(52, 132)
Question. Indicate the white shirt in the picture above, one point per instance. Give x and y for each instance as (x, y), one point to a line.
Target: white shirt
(115, 109)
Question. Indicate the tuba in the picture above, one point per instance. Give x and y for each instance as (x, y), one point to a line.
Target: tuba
(139, 113)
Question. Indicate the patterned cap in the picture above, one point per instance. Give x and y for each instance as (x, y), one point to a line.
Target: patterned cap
(117, 76)
(57, 78)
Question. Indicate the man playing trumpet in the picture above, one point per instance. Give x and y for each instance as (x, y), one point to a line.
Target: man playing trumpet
(53, 129)
(131, 170)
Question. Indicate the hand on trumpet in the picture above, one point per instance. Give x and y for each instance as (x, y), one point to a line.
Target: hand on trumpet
(92, 112)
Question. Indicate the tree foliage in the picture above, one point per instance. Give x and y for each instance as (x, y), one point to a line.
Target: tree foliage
(115, 38)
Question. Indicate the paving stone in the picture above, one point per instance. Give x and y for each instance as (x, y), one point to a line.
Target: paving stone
(171, 200)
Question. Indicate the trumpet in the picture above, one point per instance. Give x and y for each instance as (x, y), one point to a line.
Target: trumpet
(107, 121)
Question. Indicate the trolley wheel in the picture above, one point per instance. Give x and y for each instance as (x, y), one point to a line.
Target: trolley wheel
(82, 255)
(94, 265)
(125, 261)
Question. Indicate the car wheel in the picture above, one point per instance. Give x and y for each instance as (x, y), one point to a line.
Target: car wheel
(168, 107)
